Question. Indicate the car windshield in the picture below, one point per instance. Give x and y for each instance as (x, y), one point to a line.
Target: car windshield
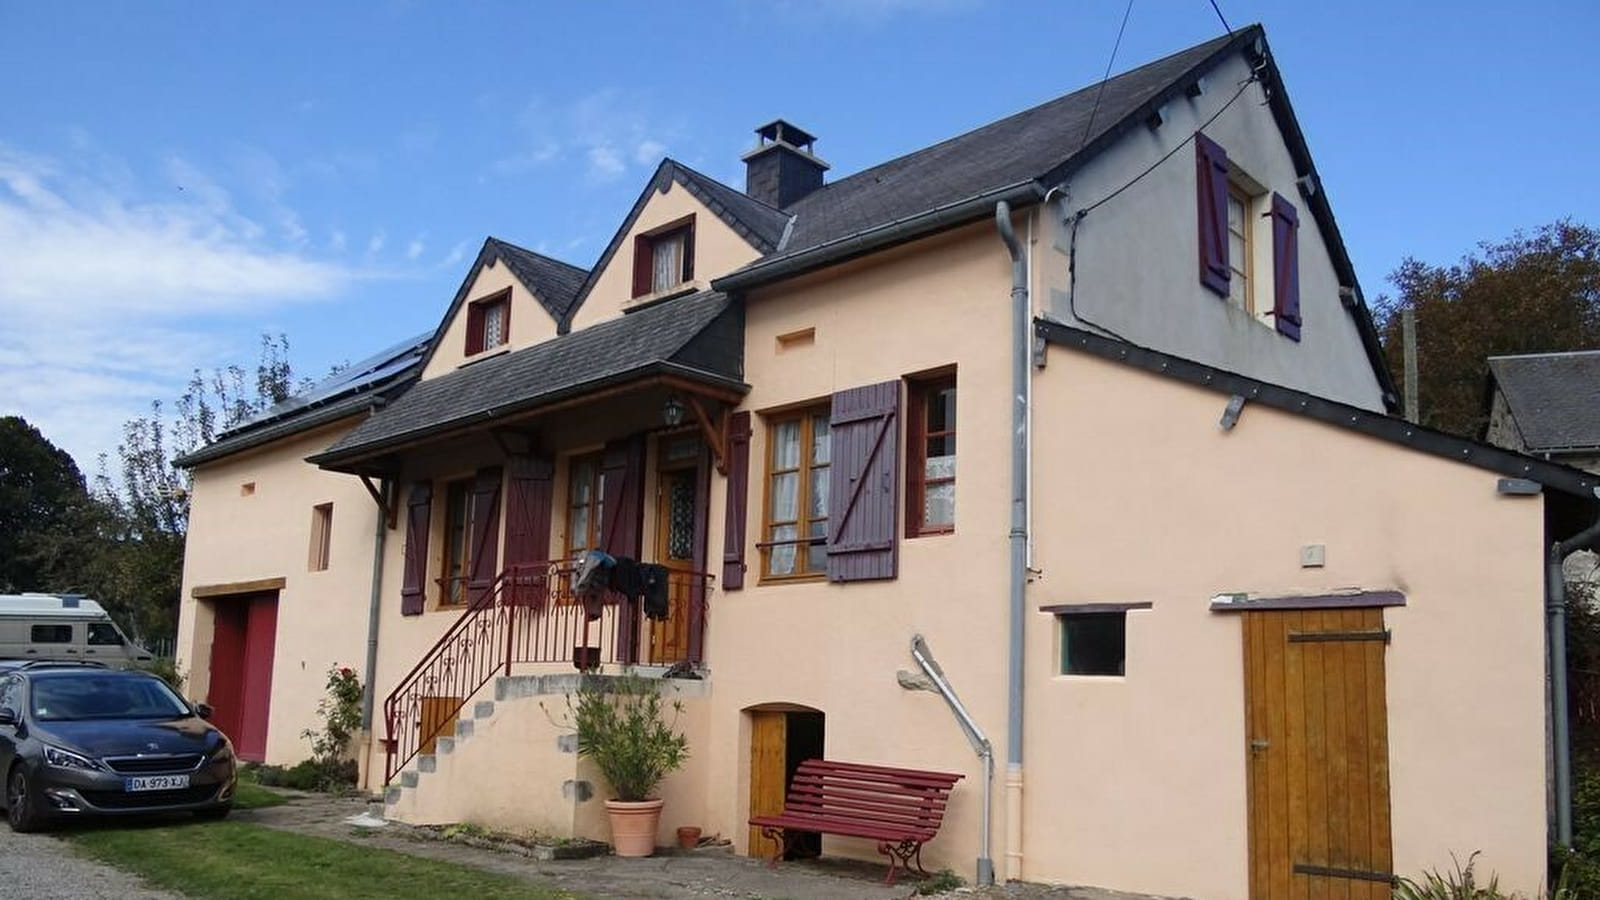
(109, 696)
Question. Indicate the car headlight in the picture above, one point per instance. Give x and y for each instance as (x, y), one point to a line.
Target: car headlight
(66, 759)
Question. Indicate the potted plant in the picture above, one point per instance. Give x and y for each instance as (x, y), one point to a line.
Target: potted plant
(621, 726)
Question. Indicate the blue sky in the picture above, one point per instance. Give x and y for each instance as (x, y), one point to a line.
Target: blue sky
(176, 178)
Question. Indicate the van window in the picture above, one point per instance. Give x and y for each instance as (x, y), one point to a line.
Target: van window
(52, 634)
(104, 634)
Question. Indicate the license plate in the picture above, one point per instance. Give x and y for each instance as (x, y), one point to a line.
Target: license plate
(157, 782)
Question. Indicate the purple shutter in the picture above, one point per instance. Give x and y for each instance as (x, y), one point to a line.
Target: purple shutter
(688, 250)
(737, 508)
(863, 495)
(529, 500)
(1211, 179)
(1285, 267)
(622, 519)
(419, 514)
(643, 265)
(474, 328)
(483, 536)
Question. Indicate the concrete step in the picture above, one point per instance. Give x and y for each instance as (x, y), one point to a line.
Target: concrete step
(483, 709)
(408, 778)
(443, 746)
(464, 728)
(427, 762)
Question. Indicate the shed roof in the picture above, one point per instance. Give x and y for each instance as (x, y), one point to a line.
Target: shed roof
(1555, 398)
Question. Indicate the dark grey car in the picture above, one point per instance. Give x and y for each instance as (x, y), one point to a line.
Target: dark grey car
(89, 741)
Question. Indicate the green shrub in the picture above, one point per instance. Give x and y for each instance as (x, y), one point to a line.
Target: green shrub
(620, 726)
(309, 775)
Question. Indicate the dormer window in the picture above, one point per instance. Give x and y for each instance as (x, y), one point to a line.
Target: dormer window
(489, 323)
(664, 258)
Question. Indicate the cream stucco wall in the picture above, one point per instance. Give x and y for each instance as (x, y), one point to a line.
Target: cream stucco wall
(322, 616)
(1138, 783)
(718, 250)
(530, 322)
(1138, 255)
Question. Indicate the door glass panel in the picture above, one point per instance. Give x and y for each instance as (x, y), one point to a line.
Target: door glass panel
(680, 524)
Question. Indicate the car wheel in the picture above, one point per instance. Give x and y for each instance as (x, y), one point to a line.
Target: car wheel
(214, 814)
(20, 812)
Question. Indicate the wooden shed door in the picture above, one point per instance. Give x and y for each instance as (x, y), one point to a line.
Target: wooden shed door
(242, 650)
(1318, 746)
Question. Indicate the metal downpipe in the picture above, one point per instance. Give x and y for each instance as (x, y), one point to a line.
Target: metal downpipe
(374, 607)
(1556, 623)
(1018, 536)
(980, 743)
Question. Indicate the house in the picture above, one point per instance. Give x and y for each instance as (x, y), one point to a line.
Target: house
(1088, 399)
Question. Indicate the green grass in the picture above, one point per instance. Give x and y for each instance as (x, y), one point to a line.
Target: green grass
(249, 795)
(239, 861)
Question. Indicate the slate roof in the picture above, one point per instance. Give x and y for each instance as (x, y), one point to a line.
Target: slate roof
(756, 222)
(698, 336)
(1555, 398)
(554, 282)
(350, 392)
(1024, 146)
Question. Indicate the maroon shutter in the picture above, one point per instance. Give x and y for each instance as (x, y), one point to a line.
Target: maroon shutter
(1211, 178)
(419, 514)
(483, 537)
(474, 328)
(688, 250)
(622, 519)
(863, 496)
(737, 507)
(1285, 267)
(529, 499)
(643, 265)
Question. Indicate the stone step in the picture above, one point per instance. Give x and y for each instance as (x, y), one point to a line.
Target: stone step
(464, 728)
(392, 794)
(444, 745)
(408, 778)
(427, 762)
(483, 709)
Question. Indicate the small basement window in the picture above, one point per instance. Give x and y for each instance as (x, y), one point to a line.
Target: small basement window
(1093, 643)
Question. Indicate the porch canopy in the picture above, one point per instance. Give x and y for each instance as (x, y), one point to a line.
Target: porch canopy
(625, 369)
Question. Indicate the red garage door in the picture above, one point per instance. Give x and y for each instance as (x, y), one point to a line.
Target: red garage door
(241, 669)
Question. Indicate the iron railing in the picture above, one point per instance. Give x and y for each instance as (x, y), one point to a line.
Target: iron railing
(531, 614)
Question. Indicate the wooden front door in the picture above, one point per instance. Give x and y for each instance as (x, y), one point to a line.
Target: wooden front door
(676, 488)
(243, 643)
(1318, 746)
(768, 759)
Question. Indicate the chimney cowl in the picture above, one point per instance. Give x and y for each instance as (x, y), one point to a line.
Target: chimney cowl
(782, 168)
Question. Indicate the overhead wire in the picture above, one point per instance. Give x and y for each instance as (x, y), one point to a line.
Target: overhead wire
(1100, 92)
(1225, 26)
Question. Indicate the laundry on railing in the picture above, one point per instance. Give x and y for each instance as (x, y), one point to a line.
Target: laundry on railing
(593, 579)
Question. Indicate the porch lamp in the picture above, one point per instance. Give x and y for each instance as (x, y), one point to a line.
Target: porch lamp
(673, 411)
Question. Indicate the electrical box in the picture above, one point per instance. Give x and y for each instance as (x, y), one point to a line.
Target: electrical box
(1313, 556)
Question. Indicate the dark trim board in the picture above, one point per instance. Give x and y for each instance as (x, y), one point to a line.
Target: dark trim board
(1358, 600)
(1086, 608)
(1374, 424)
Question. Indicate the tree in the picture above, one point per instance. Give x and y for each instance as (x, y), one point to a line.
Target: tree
(45, 511)
(1536, 293)
(145, 499)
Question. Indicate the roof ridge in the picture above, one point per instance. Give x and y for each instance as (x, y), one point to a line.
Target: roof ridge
(1059, 98)
(544, 256)
(699, 174)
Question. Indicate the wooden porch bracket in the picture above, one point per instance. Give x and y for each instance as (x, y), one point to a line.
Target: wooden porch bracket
(716, 434)
(386, 505)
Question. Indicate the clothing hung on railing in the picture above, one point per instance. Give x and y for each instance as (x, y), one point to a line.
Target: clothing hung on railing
(592, 581)
(656, 602)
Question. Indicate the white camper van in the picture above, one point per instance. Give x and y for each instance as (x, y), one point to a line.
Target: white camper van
(63, 627)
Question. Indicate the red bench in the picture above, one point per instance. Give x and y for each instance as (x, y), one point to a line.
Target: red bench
(899, 808)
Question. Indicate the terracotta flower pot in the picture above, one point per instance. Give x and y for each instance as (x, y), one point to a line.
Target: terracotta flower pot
(689, 837)
(633, 826)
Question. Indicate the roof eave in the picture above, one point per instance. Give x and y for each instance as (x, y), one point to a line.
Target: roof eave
(880, 237)
(1392, 429)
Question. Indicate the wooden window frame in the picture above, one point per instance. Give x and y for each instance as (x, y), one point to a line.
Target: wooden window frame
(321, 538)
(806, 415)
(596, 501)
(644, 248)
(447, 535)
(918, 389)
(477, 318)
(1243, 269)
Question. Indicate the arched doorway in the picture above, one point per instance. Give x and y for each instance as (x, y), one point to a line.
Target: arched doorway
(782, 735)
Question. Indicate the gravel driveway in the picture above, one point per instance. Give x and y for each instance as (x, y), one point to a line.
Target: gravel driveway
(41, 867)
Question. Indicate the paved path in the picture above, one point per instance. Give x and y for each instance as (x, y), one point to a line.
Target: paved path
(709, 872)
(43, 867)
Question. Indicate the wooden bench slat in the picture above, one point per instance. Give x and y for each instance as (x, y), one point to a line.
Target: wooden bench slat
(809, 795)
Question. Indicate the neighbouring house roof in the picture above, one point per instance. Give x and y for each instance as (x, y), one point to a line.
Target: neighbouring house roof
(1554, 397)
(1566, 479)
(1019, 158)
(351, 391)
(699, 336)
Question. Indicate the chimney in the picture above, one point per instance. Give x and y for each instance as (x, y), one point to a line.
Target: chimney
(781, 169)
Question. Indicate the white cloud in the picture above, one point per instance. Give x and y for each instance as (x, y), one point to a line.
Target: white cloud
(337, 240)
(376, 242)
(610, 131)
(605, 163)
(106, 286)
(649, 152)
(414, 249)
(456, 255)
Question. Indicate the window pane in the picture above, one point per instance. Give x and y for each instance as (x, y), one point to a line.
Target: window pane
(819, 493)
(817, 554)
(1236, 254)
(578, 529)
(943, 445)
(1235, 213)
(786, 445)
(1093, 643)
(680, 519)
(494, 321)
(942, 410)
(939, 504)
(104, 634)
(786, 497)
(668, 259)
(781, 558)
(821, 440)
(582, 478)
(51, 634)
